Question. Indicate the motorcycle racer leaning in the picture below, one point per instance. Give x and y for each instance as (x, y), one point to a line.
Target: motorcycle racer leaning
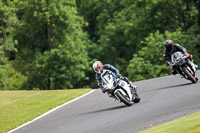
(99, 68)
(171, 48)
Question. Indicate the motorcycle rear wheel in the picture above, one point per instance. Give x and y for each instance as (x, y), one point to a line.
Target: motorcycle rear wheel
(137, 99)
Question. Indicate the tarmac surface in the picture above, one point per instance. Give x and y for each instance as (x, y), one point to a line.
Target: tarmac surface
(162, 99)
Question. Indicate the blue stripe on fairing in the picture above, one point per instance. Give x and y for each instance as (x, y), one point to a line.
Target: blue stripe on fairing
(112, 75)
(106, 80)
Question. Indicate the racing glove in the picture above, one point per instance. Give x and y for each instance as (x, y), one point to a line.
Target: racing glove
(118, 75)
(186, 54)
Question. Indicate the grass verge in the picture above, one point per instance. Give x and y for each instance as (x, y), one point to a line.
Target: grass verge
(186, 124)
(19, 107)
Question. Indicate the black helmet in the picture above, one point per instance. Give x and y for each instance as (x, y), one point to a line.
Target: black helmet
(168, 44)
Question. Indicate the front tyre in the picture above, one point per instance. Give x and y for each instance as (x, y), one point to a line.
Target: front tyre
(189, 75)
(123, 98)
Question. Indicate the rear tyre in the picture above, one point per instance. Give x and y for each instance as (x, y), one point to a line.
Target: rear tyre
(123, 98)
(136, 99)
(197, 79)
(189, 75)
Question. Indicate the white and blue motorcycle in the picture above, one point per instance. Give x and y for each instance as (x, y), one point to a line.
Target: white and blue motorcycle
(119, 89)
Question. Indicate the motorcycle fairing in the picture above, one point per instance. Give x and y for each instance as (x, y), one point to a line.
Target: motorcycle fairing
(126, 87)
(108, 76)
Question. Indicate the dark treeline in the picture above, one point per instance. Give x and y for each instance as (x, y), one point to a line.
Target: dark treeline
(51, 44)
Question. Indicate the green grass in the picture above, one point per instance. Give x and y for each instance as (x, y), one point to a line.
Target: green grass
(19, 107)
(186, 124)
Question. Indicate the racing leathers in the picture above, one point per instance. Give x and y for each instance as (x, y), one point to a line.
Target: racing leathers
(115, 71)
(176, 47)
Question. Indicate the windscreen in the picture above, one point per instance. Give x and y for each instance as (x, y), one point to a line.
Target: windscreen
(176, 56)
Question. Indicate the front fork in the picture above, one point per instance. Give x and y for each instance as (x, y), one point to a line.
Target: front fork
(191, 67)
(127, 93)
(188, 68)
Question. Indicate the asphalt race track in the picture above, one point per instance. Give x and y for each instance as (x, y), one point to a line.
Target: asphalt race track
(162, 99)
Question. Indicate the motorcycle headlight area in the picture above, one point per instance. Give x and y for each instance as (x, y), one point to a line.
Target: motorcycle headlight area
(110, 86)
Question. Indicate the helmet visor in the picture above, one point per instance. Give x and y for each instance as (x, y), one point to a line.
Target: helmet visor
(168, 46)
(97, 69)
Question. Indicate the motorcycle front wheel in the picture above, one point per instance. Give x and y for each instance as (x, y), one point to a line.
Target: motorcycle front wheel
(189, 75)
(123, 98)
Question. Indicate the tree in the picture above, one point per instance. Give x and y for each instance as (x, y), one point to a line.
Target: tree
(53, 38)
(8, 24)
(9, 78)
(149, 62)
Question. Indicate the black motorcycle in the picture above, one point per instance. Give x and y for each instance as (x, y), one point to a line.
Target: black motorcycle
(183, 66)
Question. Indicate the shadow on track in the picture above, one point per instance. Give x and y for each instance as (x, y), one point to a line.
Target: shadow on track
(169, 87)
(173, 86)
(108, 109)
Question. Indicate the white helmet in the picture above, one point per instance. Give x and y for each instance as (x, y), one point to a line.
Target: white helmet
(97, 66)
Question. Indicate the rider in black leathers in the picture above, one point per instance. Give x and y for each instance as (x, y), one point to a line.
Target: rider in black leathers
(99, 67)
(172, 48)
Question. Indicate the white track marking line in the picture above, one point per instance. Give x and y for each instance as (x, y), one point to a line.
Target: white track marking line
(51, 111)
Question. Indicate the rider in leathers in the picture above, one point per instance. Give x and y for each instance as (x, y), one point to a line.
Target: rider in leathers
(99, 67)
(172, 48)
